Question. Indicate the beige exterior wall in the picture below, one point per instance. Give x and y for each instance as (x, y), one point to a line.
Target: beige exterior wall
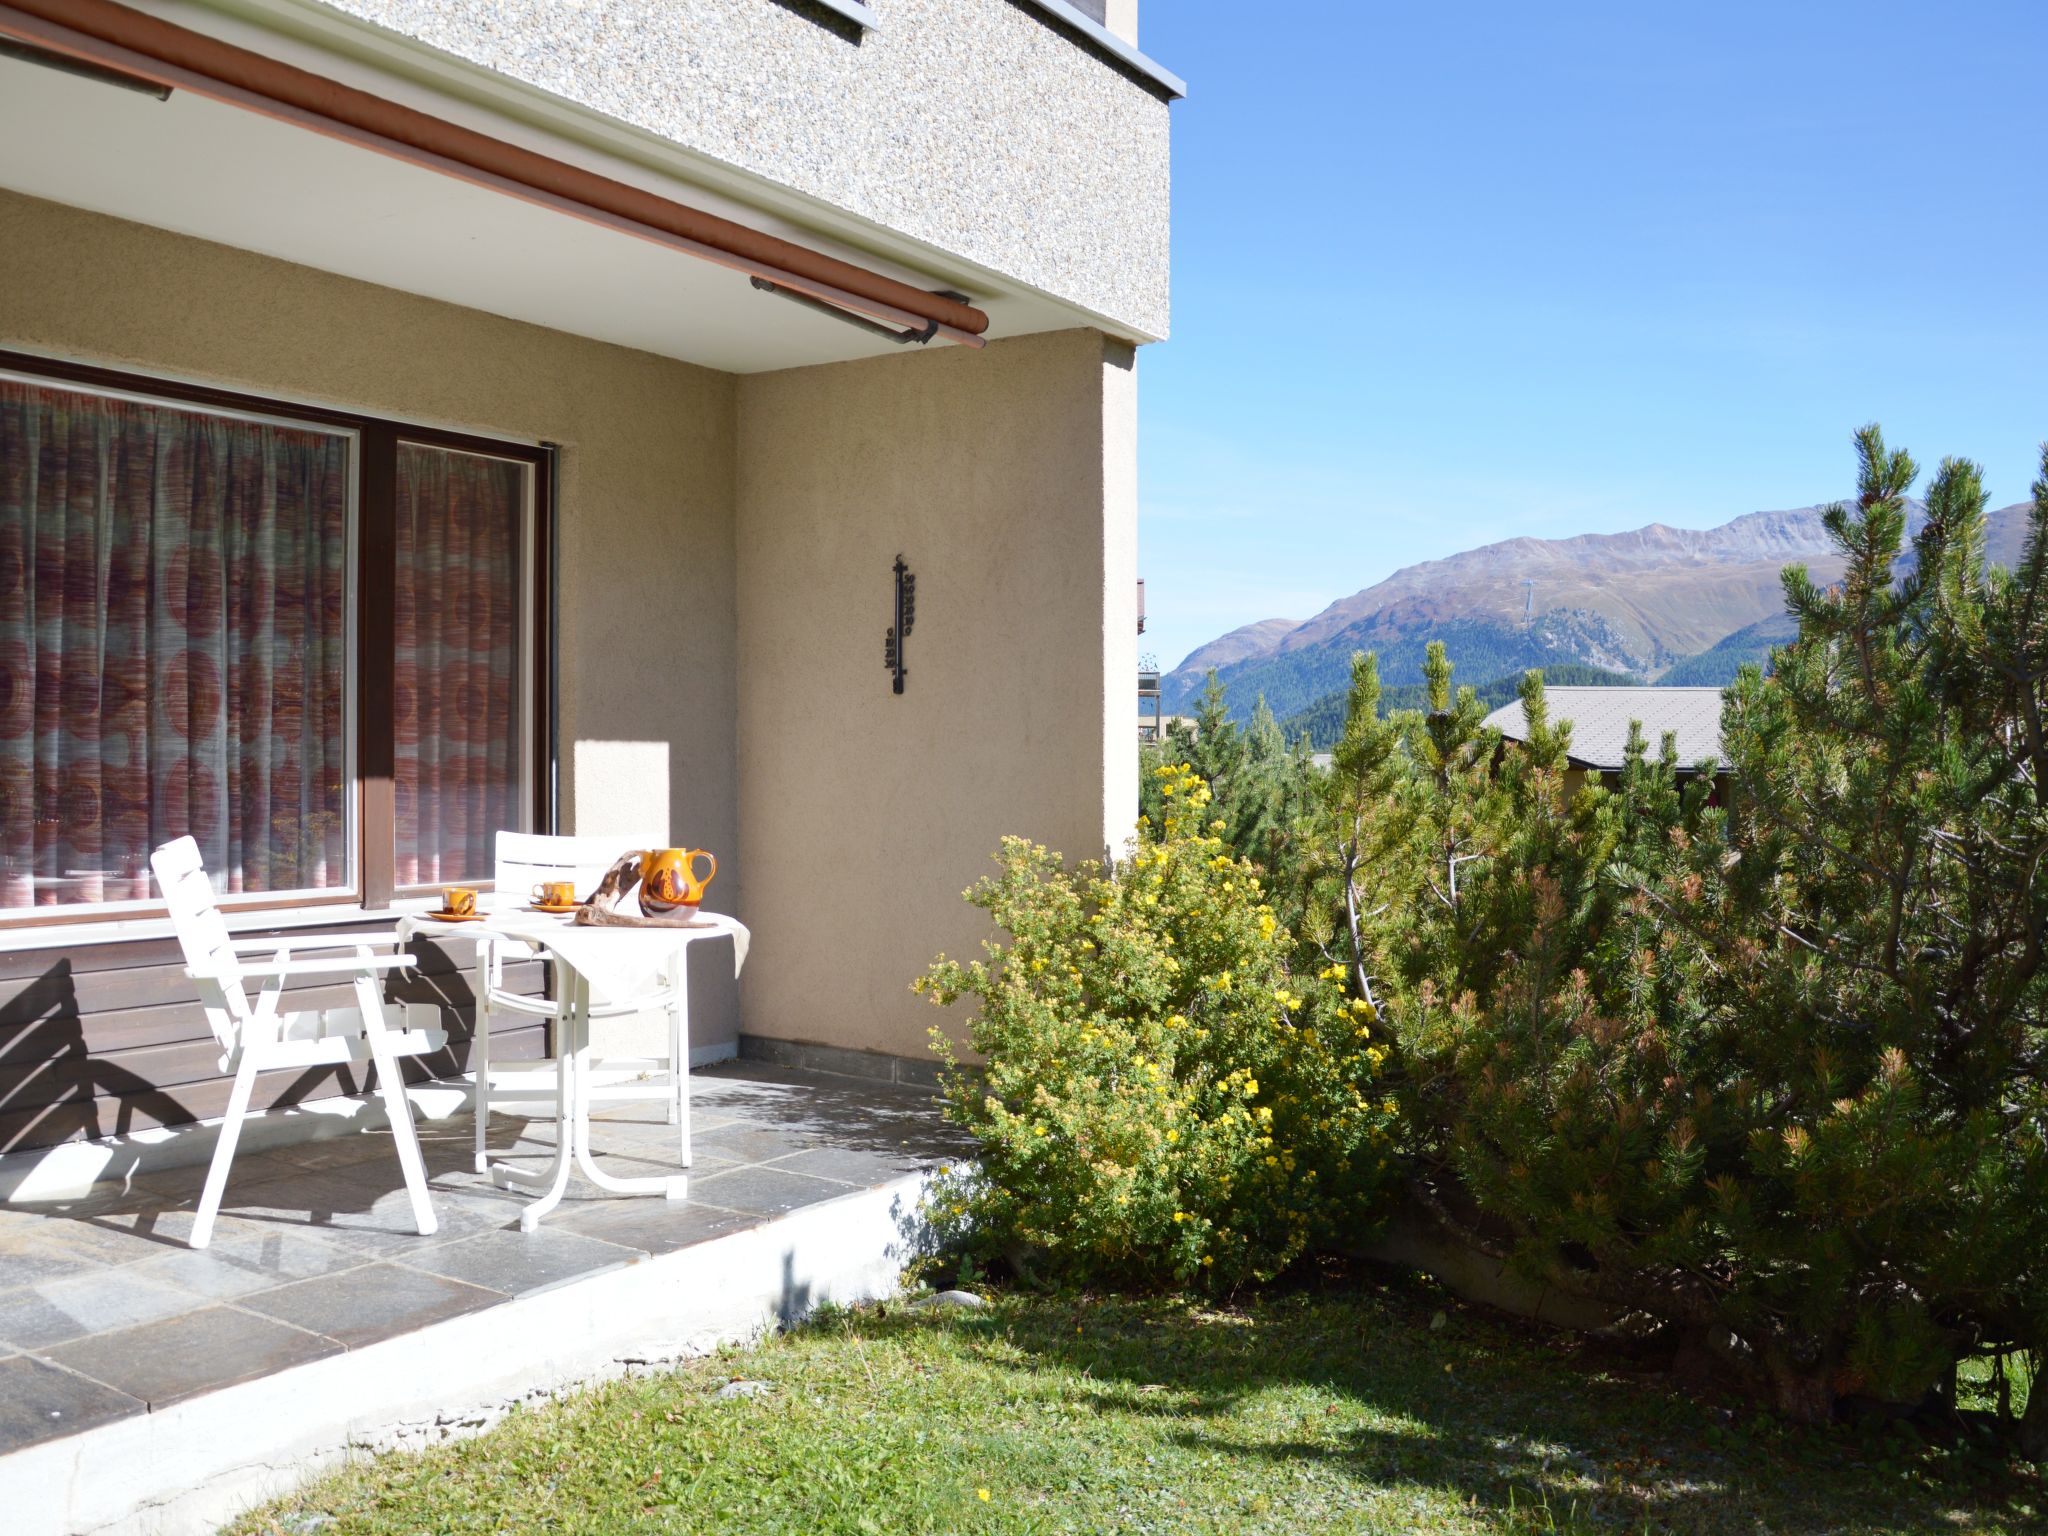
(1006, 480)
(647, 613)
(748, 525)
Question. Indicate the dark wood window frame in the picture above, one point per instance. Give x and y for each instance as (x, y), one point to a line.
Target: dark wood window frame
(376, 659)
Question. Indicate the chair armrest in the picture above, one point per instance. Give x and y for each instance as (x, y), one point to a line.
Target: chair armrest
(313, 941)
(324, 967)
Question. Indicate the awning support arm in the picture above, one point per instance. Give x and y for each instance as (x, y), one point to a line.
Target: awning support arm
(875, 328)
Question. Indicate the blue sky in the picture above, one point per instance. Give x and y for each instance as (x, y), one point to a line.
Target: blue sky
(1445, 274)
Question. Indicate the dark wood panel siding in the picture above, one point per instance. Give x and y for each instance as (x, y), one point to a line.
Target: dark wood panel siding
(105, 1039)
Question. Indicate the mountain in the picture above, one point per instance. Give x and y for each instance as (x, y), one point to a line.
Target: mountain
(1480, 650)
(1642, 602)
(2005, 537)
(1716, 666)
(1252, 640)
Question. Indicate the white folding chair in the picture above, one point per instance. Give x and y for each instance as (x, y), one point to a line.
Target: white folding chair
(255, 1037)
(524, 860)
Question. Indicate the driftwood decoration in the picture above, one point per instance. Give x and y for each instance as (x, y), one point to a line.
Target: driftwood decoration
(618, 883)
(602, 910)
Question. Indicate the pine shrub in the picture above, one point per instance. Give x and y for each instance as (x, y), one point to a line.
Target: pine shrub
(1772, 1065)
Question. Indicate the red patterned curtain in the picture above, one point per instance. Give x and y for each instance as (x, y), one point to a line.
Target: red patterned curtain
(172, 647)
(460, 525)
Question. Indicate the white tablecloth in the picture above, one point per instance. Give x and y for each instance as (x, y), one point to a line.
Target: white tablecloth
(619, 963)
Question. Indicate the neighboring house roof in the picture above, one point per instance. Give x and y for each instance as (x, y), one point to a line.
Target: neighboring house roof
(1600, 720)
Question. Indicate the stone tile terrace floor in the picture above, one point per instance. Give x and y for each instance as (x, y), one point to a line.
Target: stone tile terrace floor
(104, 1310)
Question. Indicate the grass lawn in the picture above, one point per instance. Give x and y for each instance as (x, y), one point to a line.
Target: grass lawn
(1337, 1408)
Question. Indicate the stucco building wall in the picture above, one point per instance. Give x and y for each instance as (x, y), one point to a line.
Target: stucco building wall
(976, 126)
(1006, 481)
(647, 635)
(726, 545)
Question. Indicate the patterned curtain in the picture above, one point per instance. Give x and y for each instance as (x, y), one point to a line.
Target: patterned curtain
(460, 519)
(172, 637)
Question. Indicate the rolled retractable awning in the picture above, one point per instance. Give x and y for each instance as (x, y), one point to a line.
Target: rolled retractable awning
(119, 38)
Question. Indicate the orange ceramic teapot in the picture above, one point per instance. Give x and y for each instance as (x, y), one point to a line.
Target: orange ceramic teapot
(668, 880)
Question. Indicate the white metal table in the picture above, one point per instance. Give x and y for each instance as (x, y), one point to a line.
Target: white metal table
(577, 952)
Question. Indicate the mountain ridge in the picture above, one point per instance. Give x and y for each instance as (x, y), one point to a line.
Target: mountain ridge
(1253, 639)
(1646, 600)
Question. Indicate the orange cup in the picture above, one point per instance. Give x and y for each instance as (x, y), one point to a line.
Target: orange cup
(554, 893)
(458, 899)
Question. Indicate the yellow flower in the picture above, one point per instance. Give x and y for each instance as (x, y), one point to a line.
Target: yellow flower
(1172, 1136)
(1180, 1215)
(982, 1494)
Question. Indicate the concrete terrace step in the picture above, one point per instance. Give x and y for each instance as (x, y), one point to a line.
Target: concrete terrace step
(148, 1388)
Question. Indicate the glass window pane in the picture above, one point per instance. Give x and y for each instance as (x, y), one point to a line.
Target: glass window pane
(173, 633)
(460, 711)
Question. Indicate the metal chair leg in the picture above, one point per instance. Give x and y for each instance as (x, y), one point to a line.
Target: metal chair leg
(675, 1065)
(480, 1058)
(679, 1049)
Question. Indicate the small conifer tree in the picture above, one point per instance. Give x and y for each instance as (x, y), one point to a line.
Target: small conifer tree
(1771, 1059)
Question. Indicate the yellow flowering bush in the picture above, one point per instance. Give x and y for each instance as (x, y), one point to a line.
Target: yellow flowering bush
(1159, 1098)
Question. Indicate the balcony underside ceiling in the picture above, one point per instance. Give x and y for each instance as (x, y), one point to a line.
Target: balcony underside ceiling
(220, 173)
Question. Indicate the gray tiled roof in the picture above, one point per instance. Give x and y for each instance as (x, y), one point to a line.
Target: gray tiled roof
(1600, 719)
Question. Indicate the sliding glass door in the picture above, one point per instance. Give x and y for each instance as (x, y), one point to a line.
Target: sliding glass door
(308, 643)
